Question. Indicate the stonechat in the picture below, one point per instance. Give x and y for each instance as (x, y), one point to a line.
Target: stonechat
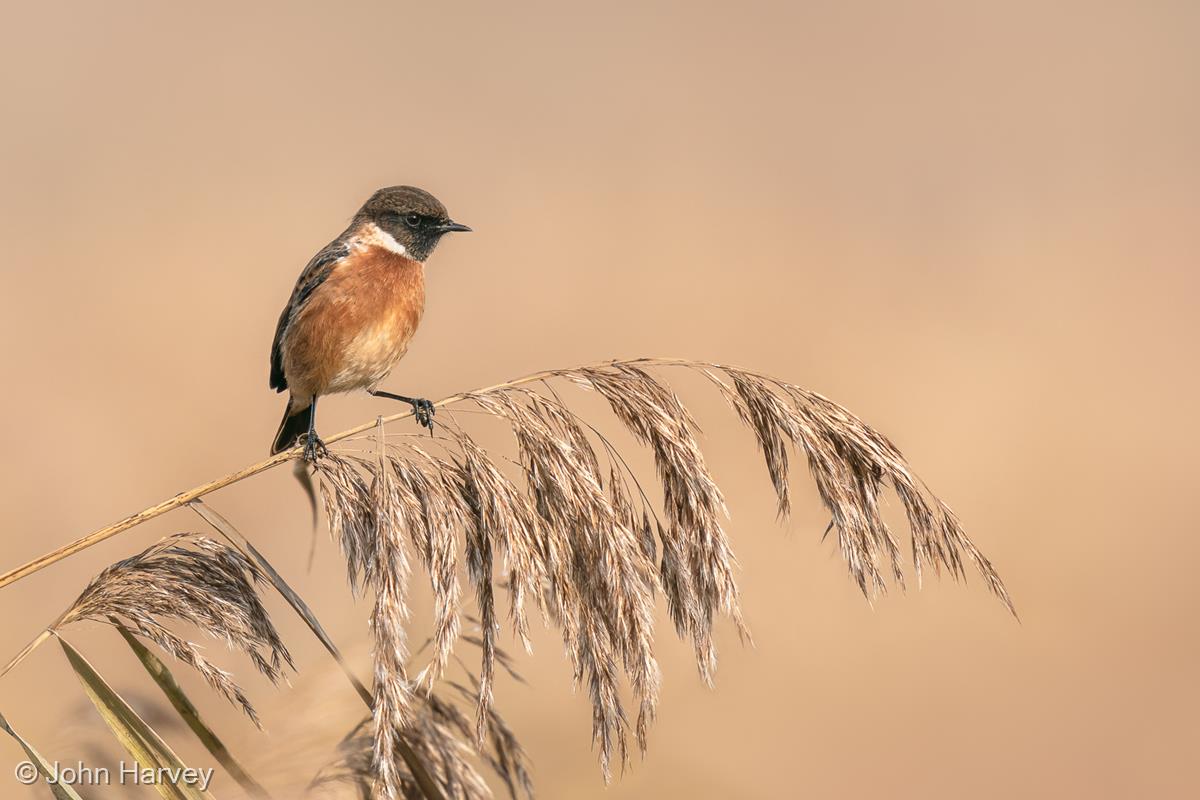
(355, 308)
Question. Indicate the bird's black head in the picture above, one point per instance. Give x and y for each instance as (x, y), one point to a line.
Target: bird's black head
(413, 217)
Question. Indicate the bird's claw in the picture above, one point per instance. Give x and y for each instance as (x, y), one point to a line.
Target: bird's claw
(424, 410)
(314, 448)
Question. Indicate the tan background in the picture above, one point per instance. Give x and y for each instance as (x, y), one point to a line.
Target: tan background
(975, 224)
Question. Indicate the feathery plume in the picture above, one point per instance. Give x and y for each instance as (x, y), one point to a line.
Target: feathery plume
(197, 580)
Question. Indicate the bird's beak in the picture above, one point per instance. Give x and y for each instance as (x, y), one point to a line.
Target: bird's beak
(452, 226)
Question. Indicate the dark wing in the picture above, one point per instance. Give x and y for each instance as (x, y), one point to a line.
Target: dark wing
(313, 276)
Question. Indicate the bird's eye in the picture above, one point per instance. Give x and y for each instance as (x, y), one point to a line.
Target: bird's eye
(412, 220)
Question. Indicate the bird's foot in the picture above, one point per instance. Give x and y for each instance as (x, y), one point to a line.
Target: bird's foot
(314, 448)
(424, 410)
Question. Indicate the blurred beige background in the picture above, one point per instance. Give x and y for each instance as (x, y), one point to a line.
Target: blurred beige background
(974, 224)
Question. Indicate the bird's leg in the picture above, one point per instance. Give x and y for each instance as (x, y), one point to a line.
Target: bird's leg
(423, 410)
(314, 448)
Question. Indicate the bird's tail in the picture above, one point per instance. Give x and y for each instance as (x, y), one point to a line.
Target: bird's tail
(294, 425)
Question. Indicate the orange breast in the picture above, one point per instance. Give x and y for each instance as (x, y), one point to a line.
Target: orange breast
(356, 325)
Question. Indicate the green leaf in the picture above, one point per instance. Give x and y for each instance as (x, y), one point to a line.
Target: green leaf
(61, 791)
(187, 711)
(146, 746)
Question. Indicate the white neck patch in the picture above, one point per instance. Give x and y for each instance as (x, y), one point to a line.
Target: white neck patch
(373, 235)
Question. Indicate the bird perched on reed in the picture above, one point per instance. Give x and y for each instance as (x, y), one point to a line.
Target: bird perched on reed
(355, 308)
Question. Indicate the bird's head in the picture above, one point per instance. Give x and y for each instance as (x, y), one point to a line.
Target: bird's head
(413, 218)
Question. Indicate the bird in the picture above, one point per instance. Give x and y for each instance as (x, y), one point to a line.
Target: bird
(354, 310)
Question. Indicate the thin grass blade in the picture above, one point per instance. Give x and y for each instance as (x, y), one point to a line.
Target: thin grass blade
(138, 738)
(26, 651)
(235, 537)
(61, 791)
(187, 711)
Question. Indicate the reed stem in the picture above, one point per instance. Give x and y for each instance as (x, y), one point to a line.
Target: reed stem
(183, 498)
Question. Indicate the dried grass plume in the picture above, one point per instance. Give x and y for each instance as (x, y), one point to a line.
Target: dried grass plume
(560, 526)
(565, 528)
(198, 581)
